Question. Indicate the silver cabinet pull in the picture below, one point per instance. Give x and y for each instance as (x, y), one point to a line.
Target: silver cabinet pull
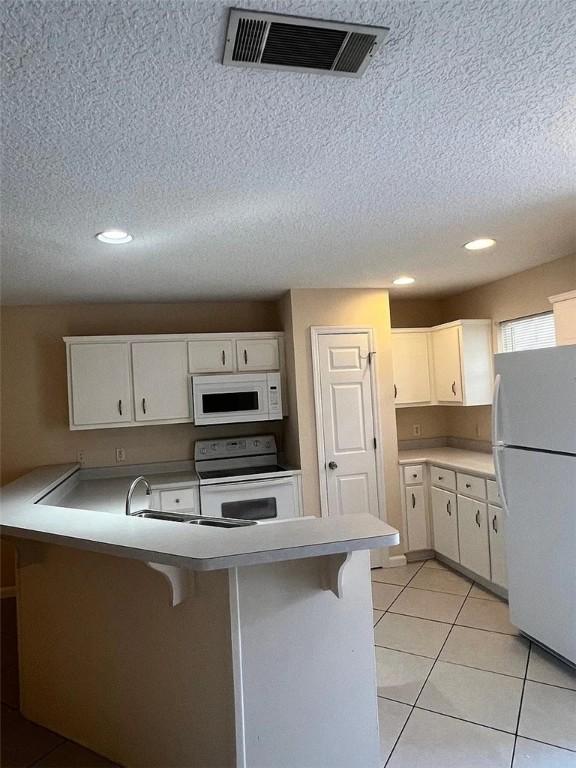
(478, 518)
(144, 404)
(245, 357)
(454, 388)
(495, 524)
(449, 508)
(395, 391)
(120, 407)
(413, 501)
(223, 357)
(332, 465)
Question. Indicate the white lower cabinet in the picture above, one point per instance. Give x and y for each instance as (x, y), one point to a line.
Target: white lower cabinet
(445, 523)
(416, 527)
(473, 536)
(496, 530)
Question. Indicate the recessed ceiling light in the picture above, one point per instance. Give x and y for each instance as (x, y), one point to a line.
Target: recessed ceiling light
(114, 236)
(404, 280)
(478, 245)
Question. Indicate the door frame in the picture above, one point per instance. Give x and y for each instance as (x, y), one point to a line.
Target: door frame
(316, 331)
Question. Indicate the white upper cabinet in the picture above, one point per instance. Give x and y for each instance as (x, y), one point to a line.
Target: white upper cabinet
(258, 354)
(463, 362)
(160, 371)
(447, 372)
(411, 367)
(99, 384)
(448, 364)
(211, 355)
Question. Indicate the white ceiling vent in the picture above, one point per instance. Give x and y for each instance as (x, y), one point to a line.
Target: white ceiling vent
(273, 41)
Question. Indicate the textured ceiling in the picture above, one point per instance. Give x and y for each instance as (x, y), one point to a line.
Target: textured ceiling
(239, 182)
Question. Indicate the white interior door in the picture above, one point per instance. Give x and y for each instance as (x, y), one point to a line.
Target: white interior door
(348, 424)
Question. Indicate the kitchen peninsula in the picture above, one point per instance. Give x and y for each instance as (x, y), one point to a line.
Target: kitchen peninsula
(161, 643)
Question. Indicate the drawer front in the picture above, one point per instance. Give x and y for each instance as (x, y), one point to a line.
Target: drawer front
(493, 495)
(413, 474)
(470, 485)
(183, 498)
(445, 478)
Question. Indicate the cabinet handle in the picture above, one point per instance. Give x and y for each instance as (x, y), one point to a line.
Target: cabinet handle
(454, 388)
(223, 357)
(449, 508)
(245, 357)
(177, 501)
(120, 407)
(468, 485)
(144, 404)
(414, 476)
(413, 501)
(440, 477)
(395, 391)
(478, 518)
(494, 524)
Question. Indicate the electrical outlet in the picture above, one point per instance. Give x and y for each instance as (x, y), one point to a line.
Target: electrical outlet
(417, 430)
(81, 457)
(120, 454)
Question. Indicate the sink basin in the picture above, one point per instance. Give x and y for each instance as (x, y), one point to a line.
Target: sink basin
(175, 517)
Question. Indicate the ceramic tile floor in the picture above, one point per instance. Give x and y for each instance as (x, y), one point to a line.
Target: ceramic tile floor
(457, 686)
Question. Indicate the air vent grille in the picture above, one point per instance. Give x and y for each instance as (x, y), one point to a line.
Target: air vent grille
(248, 43)
(354, 52)
(274, 41)
(292, 45)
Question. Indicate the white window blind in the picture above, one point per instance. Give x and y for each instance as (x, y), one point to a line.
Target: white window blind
(532, 332)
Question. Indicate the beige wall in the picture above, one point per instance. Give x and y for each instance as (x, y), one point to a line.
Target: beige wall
(415, 313)
(353, 307)
(433, 422)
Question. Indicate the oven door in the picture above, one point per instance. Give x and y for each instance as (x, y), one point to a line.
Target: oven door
(229, 399)
(271, 499)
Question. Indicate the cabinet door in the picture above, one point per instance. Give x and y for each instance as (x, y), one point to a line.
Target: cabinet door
(101, 389)
(496, 523)
(258, 354)
(416, 517)
(473, 536)
(411, 368)
(445, 523)
(160, 380)
(211, 356)
(447, 370)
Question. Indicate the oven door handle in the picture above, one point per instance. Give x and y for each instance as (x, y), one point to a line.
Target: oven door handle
(272, 482)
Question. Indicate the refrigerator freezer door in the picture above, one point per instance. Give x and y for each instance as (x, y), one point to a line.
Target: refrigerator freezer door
(540, 496)
(535, 405)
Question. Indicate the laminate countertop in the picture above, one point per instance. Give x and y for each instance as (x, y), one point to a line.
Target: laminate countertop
(169, 543)
(475, 462)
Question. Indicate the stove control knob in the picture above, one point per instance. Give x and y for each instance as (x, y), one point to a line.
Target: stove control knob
(256, 443)
(268, 444)
(203, 450)
(214, 446)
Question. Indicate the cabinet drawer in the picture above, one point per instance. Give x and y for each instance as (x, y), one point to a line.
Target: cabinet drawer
(493, 495)
(470, 485)
(445, 478)
(413, 474)
(183, 498)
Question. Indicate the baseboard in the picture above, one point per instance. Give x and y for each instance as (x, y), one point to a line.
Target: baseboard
(395, 561)
(420, 554)
(7, 592)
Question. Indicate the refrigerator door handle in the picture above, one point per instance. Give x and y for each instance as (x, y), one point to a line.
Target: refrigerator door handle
(497, 451)
(496, 411)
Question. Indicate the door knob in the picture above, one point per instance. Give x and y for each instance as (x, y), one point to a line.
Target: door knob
(332, 465)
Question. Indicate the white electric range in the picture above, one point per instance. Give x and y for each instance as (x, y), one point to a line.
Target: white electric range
(241, 478)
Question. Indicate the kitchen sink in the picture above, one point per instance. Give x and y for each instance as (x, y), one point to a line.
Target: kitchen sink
(175, 517)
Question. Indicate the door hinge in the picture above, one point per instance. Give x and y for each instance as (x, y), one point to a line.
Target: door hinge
(375, 443)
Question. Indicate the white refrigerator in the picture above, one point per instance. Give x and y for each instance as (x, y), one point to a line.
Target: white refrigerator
(534, 443)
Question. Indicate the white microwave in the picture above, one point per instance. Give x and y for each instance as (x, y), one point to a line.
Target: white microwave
(236, 397)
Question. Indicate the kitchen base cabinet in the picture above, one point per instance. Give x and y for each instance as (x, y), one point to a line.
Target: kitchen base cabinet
(416, 528)
(473, 536)
(445, 523)
(496, 531)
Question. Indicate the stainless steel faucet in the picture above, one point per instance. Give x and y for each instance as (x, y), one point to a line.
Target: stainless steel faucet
(140, 479)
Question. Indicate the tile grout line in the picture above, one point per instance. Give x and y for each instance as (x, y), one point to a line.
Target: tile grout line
(520, 706)
(413, 706)
(50, 751)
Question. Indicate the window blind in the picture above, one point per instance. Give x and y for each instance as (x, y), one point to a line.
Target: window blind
(532, 332)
